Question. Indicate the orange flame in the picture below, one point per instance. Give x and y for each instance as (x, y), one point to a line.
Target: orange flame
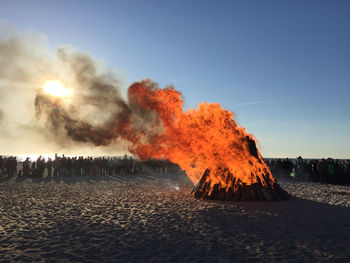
(205, 138)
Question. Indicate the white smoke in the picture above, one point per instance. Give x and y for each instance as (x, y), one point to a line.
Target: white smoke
(26, 63)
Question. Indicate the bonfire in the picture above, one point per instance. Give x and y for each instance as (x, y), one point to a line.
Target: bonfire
(218, 155)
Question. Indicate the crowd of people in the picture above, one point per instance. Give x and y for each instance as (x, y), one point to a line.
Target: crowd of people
(82, 166)
(324, 171)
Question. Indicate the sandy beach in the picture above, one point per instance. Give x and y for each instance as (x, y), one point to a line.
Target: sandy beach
(154, 218)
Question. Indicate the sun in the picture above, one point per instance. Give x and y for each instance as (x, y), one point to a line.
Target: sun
(57, 89)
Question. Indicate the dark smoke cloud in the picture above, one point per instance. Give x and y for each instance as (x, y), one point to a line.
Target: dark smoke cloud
(98, 114)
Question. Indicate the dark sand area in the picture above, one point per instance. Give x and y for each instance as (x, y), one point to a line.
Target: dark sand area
(143, 218)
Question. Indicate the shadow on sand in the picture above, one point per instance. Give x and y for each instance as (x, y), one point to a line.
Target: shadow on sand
(308, 230)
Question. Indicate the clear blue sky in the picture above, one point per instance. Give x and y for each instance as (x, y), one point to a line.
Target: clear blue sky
(283, 67)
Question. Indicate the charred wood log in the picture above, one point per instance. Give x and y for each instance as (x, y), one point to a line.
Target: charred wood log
(238, 191)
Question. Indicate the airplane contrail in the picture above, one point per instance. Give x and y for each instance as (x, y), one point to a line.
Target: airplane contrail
(257, 102)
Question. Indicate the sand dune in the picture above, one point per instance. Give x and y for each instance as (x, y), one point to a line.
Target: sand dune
(141, 218)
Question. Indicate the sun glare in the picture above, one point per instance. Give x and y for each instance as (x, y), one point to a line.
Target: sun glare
(56, 88)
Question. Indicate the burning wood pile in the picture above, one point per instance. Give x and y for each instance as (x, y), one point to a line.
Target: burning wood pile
(239, 191)
(225, 186)
(153, 124)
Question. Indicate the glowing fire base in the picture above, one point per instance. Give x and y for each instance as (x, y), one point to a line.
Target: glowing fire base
(223, 185)
(239, 191)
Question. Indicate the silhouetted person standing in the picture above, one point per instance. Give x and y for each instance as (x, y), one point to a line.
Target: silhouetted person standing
(331, 171)
(1, 164)
(26, 167)
(49, 167)
(323, 169)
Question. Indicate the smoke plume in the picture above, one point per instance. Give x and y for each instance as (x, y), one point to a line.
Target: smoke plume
(36, 122)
